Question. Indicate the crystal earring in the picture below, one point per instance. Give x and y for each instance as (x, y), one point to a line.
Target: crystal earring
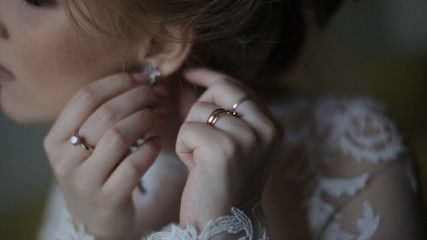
(152, 71)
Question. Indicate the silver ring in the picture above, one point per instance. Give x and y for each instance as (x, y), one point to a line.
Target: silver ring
(238, 102)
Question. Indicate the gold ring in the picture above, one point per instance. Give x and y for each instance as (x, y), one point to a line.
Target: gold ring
(213, 117)
(238, 102)
(76, 140)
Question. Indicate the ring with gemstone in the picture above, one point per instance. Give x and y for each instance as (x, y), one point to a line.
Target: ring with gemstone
(136, 145)
(76, 140)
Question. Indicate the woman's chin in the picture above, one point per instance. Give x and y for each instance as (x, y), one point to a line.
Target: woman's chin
(24, 117)
(22, 113)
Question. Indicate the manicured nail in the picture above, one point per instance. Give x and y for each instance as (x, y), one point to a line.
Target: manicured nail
(140, 77)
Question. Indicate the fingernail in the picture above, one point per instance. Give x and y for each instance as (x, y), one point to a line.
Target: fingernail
(161, 111)
(139, 77)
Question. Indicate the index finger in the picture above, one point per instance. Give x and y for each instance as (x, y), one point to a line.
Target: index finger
(86, 100)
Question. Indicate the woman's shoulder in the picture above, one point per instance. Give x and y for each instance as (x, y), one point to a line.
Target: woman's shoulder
(343, 164)
(356, 126)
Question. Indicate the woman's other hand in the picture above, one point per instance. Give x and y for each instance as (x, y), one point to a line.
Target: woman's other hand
(229, 161)
(110, 114)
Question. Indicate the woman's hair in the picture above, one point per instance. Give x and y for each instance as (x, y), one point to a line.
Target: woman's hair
(246, 39)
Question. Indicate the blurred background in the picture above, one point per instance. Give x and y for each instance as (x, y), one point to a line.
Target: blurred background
(372, 48)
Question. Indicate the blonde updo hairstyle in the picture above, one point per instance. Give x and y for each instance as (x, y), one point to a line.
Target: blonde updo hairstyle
(247, 39)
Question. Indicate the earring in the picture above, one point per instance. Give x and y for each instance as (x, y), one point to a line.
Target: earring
(152, 71)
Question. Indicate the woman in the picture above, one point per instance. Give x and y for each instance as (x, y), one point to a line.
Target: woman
(119, 81)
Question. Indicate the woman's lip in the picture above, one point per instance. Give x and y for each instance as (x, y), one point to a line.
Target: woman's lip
(5, 74)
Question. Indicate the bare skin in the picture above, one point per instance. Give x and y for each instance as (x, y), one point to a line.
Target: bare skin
(64, 78)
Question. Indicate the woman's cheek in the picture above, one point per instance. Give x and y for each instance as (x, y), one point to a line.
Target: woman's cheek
(46, 78)
(52, 63)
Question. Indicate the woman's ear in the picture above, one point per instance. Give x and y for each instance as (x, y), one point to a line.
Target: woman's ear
(169, 54)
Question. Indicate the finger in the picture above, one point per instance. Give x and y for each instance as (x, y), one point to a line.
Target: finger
(193, 138)
(247, 110)
(208, 78)
(86, 100)
(240, 130)
(222, 90)
(226, 93)
(129, 172)
(116, 141)
(117, 109)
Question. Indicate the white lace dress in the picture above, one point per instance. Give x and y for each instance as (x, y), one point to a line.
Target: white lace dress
(351, 167)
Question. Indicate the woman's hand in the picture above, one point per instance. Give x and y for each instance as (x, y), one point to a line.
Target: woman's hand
(110, 114)
(228, 163)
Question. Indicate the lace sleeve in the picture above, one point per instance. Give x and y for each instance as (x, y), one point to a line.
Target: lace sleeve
(237, 226)
(358, 175)
(244, 223)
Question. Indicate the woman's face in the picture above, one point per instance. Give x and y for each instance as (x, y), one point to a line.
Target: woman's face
(48, 58)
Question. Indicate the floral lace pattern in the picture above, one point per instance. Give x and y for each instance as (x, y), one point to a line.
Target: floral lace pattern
(359, 128)
(237, 226)
(367, 225)
(319, 211)
(356, 128)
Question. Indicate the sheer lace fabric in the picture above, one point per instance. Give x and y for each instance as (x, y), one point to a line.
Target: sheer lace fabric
(237, 226)
(345, 144)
